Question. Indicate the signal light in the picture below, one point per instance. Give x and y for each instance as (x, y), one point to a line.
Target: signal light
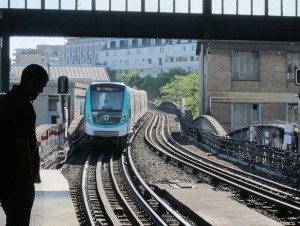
(297, 77)
(63, 84)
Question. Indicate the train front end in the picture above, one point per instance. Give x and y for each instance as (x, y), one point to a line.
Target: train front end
(106, 112)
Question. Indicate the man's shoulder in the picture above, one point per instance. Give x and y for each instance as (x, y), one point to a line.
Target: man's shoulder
(13, 101)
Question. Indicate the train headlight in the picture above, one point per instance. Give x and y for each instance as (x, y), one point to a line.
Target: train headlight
(125, 116)
(87, 115)
(124, 120)
(88, 120)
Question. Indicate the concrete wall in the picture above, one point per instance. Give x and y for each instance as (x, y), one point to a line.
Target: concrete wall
(41, 107)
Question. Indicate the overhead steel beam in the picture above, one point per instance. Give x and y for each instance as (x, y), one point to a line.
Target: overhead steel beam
(149, 25)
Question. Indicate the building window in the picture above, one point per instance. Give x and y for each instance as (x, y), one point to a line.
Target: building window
(293, 62)
(149, 61)
(53, 103)
(244, 65)
(162, 49)
(160, 62)
(242, 114)
(106, 53)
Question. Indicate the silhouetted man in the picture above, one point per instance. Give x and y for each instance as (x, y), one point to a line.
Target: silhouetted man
(19, 157)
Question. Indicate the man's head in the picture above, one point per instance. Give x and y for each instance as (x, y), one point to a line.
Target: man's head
(33, 80)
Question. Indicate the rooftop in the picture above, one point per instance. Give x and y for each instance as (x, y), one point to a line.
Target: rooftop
(77, 73)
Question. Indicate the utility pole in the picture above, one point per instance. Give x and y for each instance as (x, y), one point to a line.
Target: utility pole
(298, 143)
(297, 82)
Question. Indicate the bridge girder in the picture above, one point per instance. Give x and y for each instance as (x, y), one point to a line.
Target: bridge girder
(71, 23)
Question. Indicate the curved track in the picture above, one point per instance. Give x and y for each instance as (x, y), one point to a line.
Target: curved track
(284, 199)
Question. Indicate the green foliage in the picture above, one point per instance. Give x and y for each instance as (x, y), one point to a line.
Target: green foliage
(132, 80)
(111, 74)
(172, 85)
(186, 87)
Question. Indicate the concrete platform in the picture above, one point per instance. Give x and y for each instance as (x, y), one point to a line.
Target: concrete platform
(53, 204)
(212, 207)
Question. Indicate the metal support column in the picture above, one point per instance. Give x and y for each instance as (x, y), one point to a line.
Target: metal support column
(4, 64)
(298, 143)
(201, 83)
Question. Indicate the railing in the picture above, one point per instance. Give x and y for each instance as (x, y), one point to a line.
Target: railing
(207, 7)
(274, 122)
(284, 162)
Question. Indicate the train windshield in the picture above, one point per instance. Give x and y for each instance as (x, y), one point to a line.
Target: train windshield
(107, 97)
(106, 103)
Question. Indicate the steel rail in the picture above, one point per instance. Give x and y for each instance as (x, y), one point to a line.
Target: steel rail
(84, 192)
(177, 216)
(131, 212)
(100, 187)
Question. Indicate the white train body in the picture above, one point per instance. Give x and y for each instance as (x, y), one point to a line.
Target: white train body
(112, 109)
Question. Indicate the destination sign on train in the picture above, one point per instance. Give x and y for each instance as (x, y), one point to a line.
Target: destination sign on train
(107, 89)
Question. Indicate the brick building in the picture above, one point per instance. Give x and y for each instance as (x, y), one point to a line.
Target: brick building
(248, 81)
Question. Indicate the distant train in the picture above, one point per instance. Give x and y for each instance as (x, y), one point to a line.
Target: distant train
(112, 110)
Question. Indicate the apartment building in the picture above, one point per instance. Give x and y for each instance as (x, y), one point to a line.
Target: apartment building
(149, 57)
(249, 81)
(43, 54)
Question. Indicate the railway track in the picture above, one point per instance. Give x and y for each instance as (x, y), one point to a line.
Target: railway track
(115, 194)
(54, 158)
(107, 199)
(281, 199)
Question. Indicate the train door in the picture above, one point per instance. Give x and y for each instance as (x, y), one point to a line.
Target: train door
(129, 112)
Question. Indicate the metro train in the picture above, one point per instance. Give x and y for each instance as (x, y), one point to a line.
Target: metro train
(112, 111)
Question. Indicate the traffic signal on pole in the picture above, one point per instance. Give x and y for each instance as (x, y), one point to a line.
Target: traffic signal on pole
(63, 84)
(297, 77)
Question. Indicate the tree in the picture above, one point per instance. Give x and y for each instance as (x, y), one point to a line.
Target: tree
(132, 80)
(167, 77)
(149, 85)
(111, 74)
(186, 87)
(153, 85)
